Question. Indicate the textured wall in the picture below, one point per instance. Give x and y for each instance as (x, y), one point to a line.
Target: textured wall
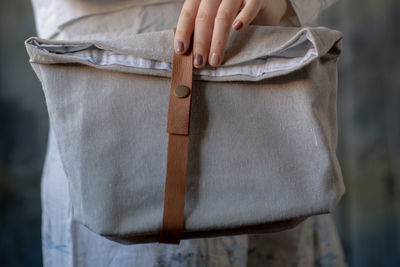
(369, 144)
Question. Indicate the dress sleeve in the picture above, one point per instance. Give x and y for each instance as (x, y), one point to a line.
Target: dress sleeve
(307, 11)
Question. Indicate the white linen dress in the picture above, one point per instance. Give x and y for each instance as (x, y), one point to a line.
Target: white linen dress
(66, 243)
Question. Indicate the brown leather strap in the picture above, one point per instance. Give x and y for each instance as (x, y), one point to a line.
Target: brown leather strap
(178, 150)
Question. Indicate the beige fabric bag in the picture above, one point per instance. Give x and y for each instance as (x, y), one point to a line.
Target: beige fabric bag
(263, 131)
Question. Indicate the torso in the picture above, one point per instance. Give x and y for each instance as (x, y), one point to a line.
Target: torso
(51, 15)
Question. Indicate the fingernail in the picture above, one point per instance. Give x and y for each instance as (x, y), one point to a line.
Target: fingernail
(214, 60)
(179, 47)
(198, 60)
(237, 25)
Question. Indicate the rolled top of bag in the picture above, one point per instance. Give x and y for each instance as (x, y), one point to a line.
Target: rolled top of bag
(256, 53)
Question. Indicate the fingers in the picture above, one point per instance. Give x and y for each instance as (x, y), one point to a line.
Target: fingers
(203, 31)
(222, 25)
(247, 14)
(210, 23)
(185, 26)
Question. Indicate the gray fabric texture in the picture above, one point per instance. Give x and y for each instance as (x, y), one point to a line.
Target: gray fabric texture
(52, 16)
(262, 148)
(307, 11)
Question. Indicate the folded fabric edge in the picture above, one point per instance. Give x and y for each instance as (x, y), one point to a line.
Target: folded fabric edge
(301, 49)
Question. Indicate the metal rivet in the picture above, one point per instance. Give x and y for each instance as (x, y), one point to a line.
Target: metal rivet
(181, 91)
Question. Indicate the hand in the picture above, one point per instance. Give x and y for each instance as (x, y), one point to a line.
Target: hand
(211, 22)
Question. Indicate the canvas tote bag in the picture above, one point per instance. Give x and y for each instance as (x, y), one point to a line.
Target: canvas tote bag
(157, 151)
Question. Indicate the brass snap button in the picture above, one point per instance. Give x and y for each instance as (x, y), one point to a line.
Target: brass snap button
(181, 91)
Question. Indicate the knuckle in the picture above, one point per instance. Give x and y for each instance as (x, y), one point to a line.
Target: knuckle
(180, 33)
(187, 14)
(203, 17)
(245, 14)
(199, 45)
(223, 15)
(218, 44)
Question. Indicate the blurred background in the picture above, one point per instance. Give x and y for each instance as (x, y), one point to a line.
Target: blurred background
(368, 217)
